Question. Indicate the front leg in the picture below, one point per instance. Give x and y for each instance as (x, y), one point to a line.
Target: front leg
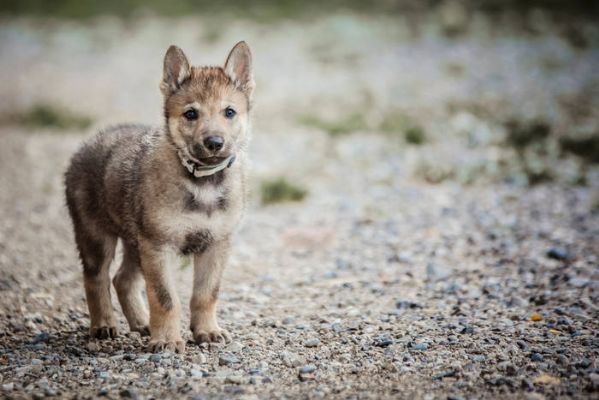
(165, 309)
(208, 270)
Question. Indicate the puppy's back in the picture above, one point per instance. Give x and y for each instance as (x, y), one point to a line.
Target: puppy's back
(106, 163)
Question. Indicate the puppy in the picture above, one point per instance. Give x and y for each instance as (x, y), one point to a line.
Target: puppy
(163, 192)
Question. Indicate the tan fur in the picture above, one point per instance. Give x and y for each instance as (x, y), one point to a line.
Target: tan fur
(130, 182)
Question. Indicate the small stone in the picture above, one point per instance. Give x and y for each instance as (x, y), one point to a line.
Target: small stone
(93, 347)
(128, 393)
(436, 272)
(43, 337)
(155, 357)
(8, 387)
(467, 330)
(404, 258)
(444, 374)
(36, 361)
(307, 369)
(578, 282)
(234, 379)
(383, 341)
(103, 392)
(406, 305)
(420, 346)
(199, 359)
(536, 317)
(290, 359)
(478, 358)
(196, 373)
(140, 360)
(312, 342)
(227, 359)
(104, 375)
(557, 253)
(330, 275)
(234, 347)
(536, 357)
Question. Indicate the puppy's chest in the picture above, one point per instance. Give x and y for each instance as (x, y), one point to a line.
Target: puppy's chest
(205, 213)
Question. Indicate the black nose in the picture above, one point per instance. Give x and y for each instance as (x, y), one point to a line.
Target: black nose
(214, 143)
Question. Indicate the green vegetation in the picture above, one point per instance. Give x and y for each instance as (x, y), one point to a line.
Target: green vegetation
(434, 172)
(587, 148)
(397, 122)
(277, 9)
(522, 134)
(415, 135)
(392, 123)
(351, 123)
(47, 116)
(280, 190)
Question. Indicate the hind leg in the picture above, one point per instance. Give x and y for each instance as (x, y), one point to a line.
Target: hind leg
(97, 251)
(129, 284)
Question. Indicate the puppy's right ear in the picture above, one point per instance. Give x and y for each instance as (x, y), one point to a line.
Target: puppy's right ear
(176, 70)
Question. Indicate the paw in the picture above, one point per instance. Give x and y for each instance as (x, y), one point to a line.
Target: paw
(158, 346)
(143, 330)
(103, 332)
(213, 335)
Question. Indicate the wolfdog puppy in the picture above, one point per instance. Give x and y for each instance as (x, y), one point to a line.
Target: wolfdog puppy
(179, 189)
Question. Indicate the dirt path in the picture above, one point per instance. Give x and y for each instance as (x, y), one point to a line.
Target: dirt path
(376, 285)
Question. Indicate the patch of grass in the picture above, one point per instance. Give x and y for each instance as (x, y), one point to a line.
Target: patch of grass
(433, 172)
(522, 134)
(280, 190)
(397, 123)
(415, 135)
(351, 123)
(587, 148)
(47, 116)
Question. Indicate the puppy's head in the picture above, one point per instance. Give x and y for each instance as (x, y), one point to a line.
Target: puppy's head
(207, 108)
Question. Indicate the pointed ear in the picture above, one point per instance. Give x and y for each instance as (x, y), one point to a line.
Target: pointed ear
(176, 70)
(239, 67)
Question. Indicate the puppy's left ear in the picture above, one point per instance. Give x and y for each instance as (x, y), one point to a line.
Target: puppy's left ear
(239, 68)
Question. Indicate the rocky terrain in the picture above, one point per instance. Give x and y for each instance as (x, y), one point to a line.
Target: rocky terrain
(446, 247)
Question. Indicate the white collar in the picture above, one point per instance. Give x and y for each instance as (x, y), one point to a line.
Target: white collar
(198, 170)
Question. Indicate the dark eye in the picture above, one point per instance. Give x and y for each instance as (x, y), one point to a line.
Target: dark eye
(191, 115)
(229, 112)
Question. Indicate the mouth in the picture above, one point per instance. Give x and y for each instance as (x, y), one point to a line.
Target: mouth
(208, 161)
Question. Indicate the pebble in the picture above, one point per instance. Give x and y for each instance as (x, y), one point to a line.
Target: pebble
(406, 304)
(234, 347)
(227, 359)
(290, 359)
(312, 342)
(8, 387)
(234, 379)
(558, 253)
(307, 369)
(383, 341)
(578, 282)
(43, 337)
(436, 272)
(420, 346)
(536, 357)
(155, 357)
(93, 347)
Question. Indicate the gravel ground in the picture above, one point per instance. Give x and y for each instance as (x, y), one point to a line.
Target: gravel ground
(377, 285)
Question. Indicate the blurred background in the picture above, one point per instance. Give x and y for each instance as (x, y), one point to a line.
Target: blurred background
(470, 91)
